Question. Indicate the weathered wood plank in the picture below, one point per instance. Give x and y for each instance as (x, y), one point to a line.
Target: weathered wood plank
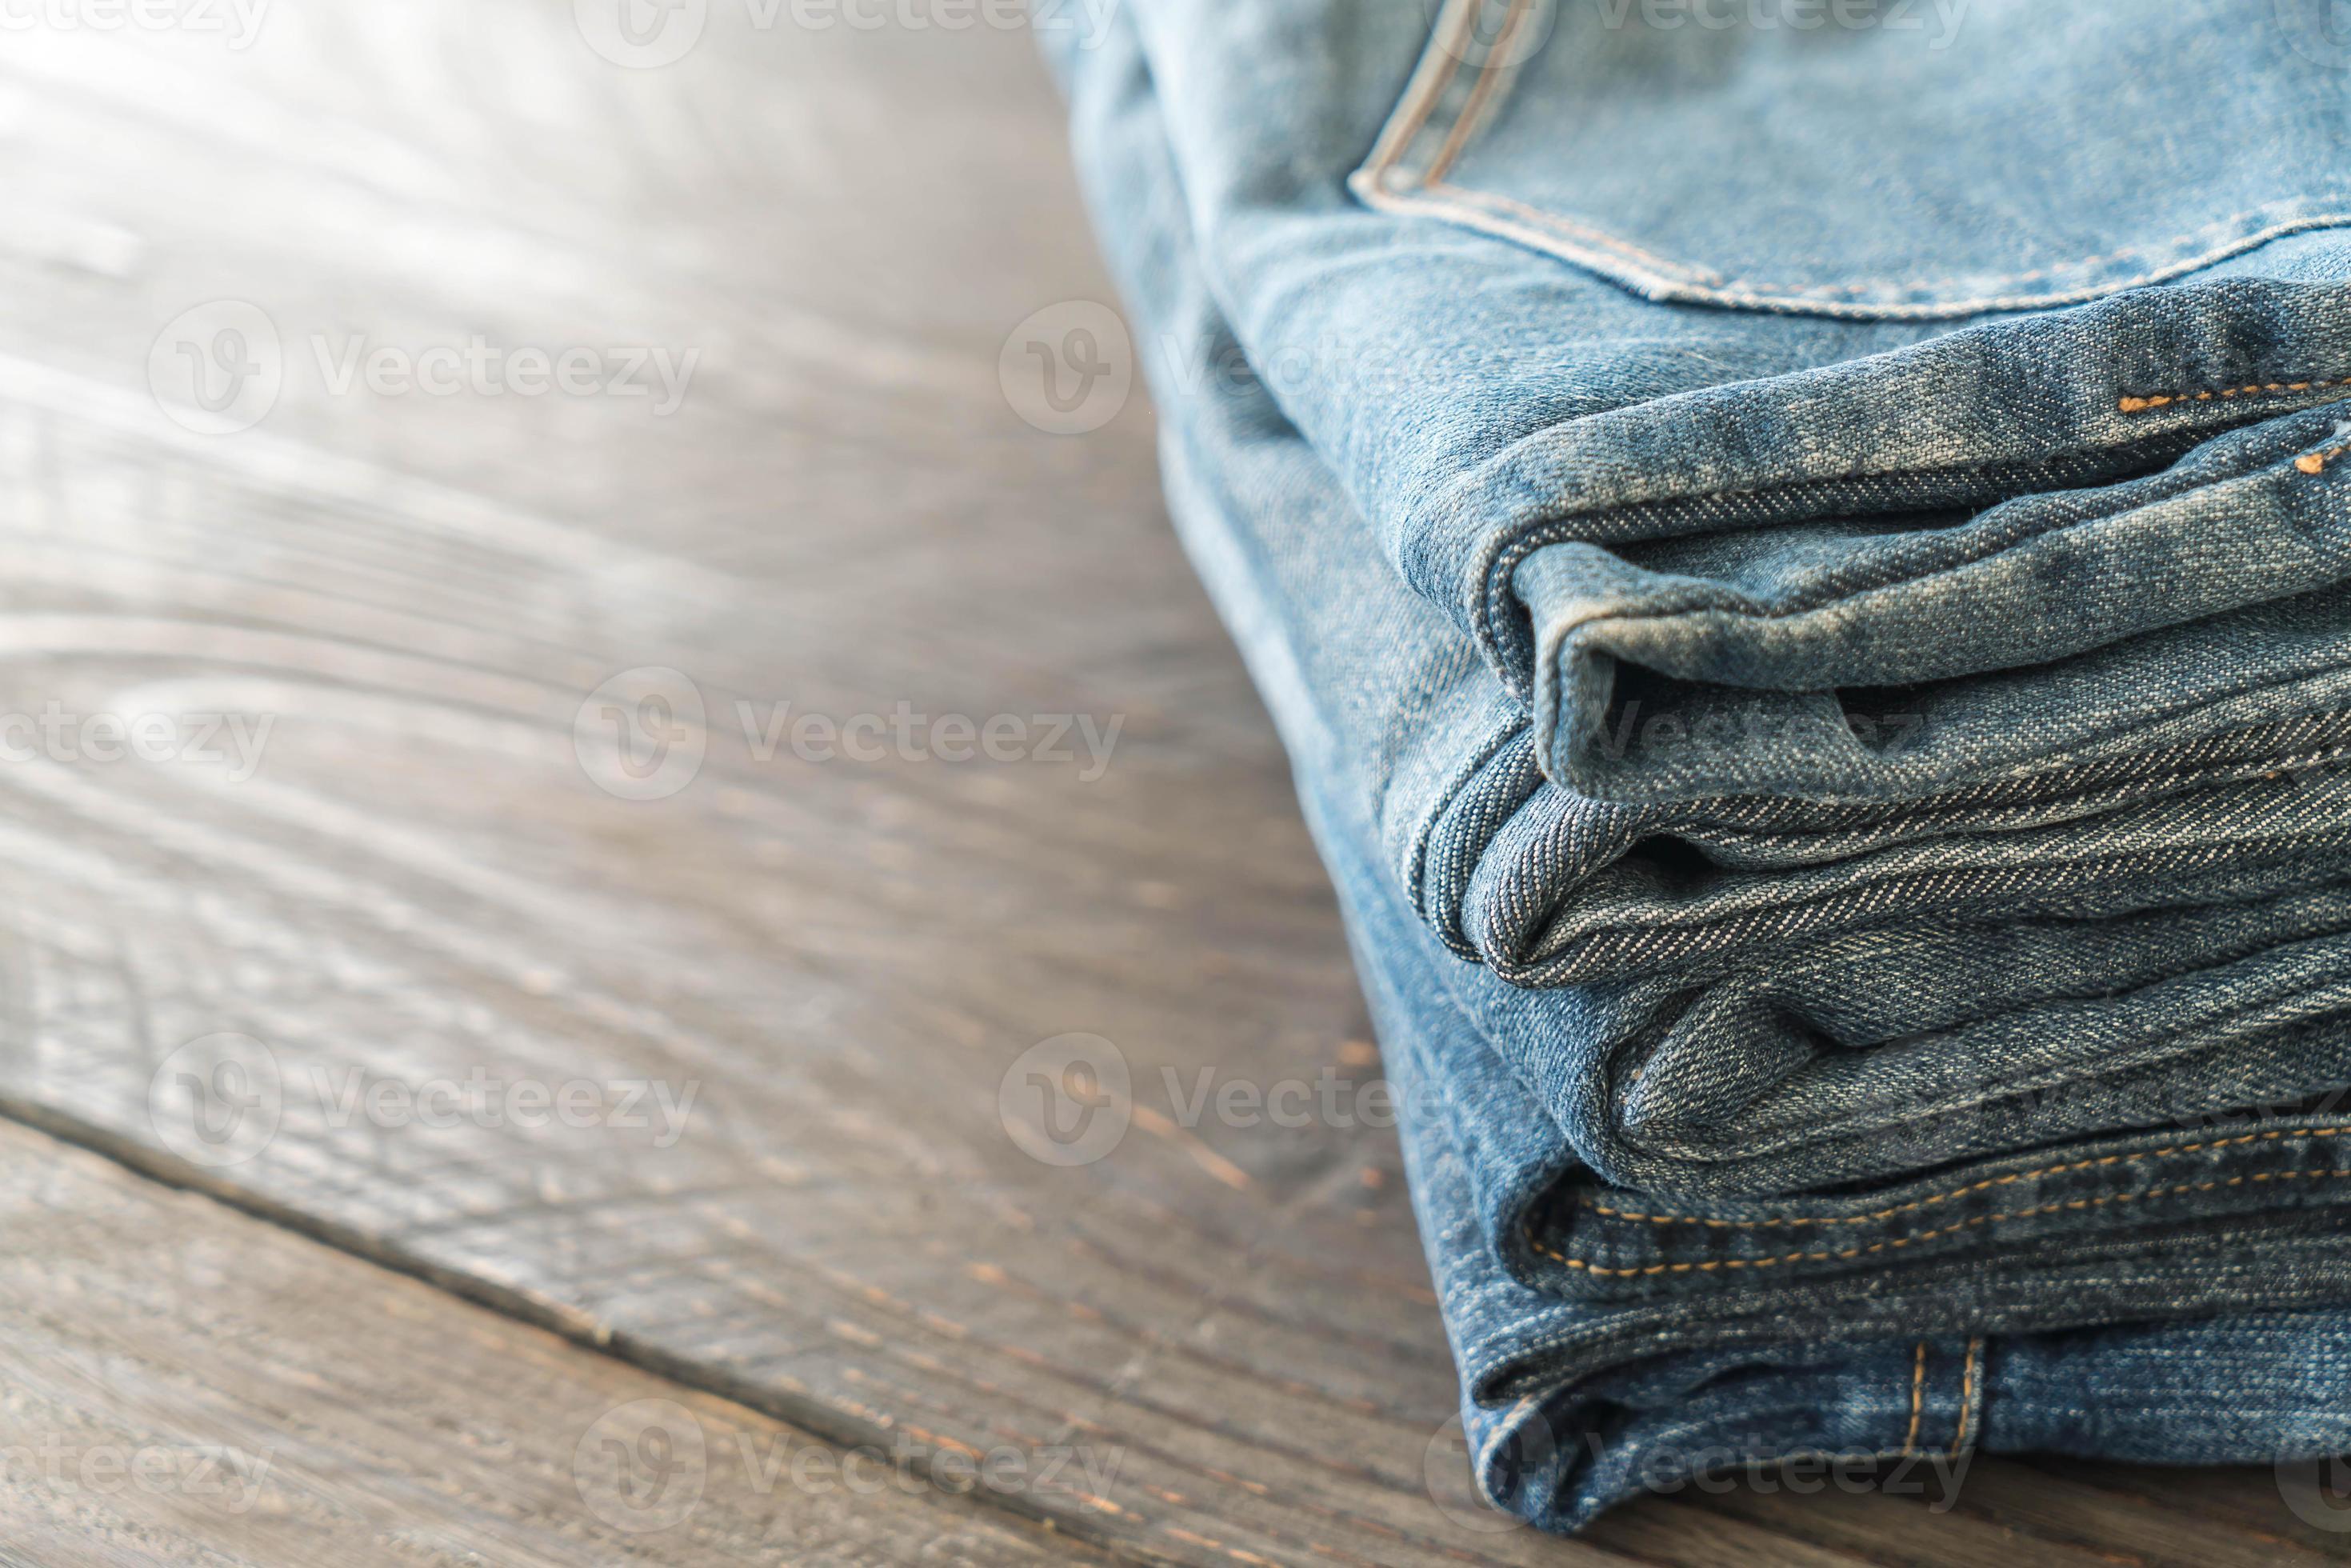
(180, 1384)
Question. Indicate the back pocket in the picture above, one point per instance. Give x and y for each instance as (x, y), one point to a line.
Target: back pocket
(1876, 159)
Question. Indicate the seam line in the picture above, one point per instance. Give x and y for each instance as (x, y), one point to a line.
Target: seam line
(1897, 1243)
(1465, 124)
(1967, 1395)
(2169, 1150)
(2160, 399)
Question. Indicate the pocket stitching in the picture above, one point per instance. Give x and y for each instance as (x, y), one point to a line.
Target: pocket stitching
(1375, 183)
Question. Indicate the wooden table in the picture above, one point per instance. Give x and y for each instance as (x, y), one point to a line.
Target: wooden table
(310, 1260)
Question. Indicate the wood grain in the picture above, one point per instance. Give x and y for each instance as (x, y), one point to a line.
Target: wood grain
(184, 1385)
(830, 968)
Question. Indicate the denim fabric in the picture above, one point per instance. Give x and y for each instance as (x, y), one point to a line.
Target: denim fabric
(1946, 1012)
(2186, 1268)
(1555, 885)
(1860, 478)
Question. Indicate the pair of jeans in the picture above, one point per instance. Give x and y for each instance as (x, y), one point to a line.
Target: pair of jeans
(1942, 1013)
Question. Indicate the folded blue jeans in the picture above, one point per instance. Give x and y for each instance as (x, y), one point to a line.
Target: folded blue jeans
(1860, 446)
(1946, 1011)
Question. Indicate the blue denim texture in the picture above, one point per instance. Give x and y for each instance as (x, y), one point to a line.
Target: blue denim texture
(1819, 657)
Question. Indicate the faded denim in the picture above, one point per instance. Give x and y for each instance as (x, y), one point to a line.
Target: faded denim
(1945, 1012)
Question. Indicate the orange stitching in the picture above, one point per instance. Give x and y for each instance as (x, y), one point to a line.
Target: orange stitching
(1419, 116)
(2139, 405)
(2169, 1150)
(1918, 1389)
(1901, 1241)
(2315, 462)
(1694, 276)
(1464, 123)
(1967, 1395)
(1806, 296)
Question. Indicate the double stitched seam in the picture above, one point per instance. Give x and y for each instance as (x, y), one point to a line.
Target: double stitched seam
(1961, 813)
(1747, 290)
(1435, 94)
(1505, 560)
(1465, 124)
(2171, 1151)
(1967, 1395)
(2072, 1205)
(1743, 291)
(1588, 950)
(2165, 1047)
(1838, 597)
(1465, 121)
(2256, 389)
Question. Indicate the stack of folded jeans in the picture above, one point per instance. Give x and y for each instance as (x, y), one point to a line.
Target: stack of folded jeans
(1804, 563)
